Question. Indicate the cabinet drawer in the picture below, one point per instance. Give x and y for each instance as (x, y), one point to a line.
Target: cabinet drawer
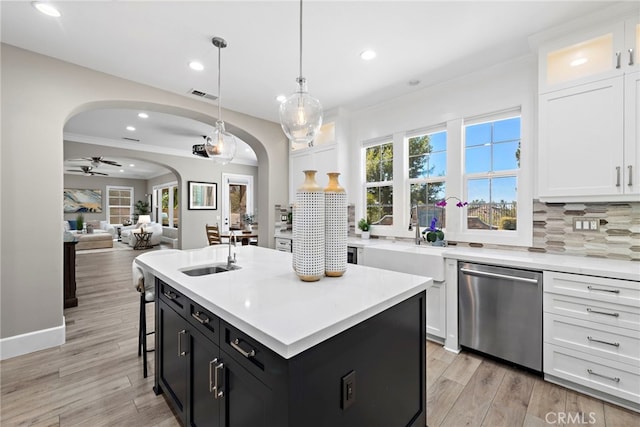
(205, 322)
(623, 316)
(256, 358)
(596, 288)
(173, 298)
(283, 245)
(609, 342)
(617, 379)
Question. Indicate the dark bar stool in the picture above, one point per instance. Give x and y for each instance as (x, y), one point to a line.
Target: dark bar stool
(147, 295)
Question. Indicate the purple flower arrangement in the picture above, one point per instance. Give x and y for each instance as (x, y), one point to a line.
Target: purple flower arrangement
(433, 233)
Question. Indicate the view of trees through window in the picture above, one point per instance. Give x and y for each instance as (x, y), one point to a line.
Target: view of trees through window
(169, 206)
(427, 172)
(379, 183)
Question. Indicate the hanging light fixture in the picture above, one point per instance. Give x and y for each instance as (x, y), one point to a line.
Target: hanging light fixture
(300, 113)
(220, 145)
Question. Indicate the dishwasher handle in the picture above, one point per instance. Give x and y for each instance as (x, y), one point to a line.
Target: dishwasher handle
(497, 275)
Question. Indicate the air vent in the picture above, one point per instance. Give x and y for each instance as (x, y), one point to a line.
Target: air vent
(131, 139)
(201, 94)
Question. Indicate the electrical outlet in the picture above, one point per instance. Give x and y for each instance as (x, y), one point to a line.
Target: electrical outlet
(348, 386)
(586, 224)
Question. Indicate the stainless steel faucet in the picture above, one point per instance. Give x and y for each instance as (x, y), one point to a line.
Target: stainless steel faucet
(415, 223)
(231, 260)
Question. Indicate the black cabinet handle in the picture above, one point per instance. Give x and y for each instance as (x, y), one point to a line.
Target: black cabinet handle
(170, 295)
(236, 345)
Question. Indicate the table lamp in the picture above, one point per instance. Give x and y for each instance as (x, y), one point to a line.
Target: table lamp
(142, 220)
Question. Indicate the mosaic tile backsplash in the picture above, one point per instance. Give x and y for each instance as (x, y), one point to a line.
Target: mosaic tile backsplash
(618, 236)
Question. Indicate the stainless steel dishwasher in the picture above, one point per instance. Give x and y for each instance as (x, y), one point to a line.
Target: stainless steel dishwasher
(500, 312)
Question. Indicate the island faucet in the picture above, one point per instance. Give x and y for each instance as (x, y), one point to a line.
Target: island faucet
(231, 260)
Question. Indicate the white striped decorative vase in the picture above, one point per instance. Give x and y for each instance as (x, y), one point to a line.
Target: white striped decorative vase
(336, 227)
(308, 230)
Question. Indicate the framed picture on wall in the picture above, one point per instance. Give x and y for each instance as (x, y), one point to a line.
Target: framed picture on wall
(82, 200)
(203, 196)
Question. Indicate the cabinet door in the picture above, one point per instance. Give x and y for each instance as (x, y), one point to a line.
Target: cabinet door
(436, 311)
(581, 140)
(247, 402)
(173, 347)
(632, 134)
(205, 368)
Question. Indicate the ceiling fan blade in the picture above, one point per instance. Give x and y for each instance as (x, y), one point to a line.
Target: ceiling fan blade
(111, 162)
(98, 173)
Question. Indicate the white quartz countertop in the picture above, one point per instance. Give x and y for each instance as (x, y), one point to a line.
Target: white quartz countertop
(617, 269)
(266, 300)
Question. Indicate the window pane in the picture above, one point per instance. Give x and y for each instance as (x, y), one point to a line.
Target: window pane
(478, 134)
(505, 156)
(439, 141)
(506, 130)
(418, 166)
(492, 204)
(477, 159)
(380, 205)
(425, 196)
(379, 163)
(427, 155)
(438, 164)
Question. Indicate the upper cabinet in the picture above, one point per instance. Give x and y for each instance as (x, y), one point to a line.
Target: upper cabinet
(586, 56)
(589, 101)
(326, 154)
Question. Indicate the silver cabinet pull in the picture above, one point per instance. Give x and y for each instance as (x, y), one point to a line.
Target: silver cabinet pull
(497, 275)
(236, 345)
(617, 176)
(630, 56)
(214, 386)
(614, 291)
(170, 295)
(180, 351)
(615, 344)
(618, 60)
(198, 316)
(630, 181)
(616, 379)
(602, 312)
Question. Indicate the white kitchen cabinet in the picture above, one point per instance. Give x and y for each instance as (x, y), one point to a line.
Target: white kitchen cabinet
(595, 53)
(592, 336)
(588, 115)
(436, 312)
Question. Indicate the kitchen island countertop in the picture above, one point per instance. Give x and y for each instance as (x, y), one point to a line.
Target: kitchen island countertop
(265, 298)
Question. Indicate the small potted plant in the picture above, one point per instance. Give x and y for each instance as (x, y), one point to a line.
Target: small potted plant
(80, 222)
(365, 226)
(433, 234)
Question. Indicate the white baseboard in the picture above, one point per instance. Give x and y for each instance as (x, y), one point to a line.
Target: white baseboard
(18, 345)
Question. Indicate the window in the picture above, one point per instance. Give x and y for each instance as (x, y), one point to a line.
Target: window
(119, 204)
(491, 165)
(427, 165)
(379, 183)
(166, 205)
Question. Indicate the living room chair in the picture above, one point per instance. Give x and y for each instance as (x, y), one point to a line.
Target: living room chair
(213, 234)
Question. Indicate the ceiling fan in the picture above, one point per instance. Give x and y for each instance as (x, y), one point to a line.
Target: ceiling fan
(97, 161)
(87, 170)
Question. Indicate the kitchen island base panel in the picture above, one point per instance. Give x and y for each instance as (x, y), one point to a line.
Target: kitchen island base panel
(386, 352)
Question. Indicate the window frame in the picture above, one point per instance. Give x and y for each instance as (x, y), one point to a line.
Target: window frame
(109, 206)
(388, 183)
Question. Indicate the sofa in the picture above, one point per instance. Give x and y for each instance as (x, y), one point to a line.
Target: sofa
(100, 235)
(153, 227)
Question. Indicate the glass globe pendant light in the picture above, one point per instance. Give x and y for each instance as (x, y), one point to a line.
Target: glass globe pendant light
(300, 113)
(220, 144)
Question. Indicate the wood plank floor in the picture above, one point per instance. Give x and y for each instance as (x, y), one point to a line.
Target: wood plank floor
(95, 378)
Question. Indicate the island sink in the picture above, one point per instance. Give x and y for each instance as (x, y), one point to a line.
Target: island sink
(211, 269)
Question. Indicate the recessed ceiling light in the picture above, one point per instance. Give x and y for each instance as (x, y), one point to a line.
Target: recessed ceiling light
(578, 61)
(46, 8)
(143, 115)
(414, 82)
(368, 55)
(281, 98)
(195, 65)
(131, 128)
(131, 165)
(121, 170)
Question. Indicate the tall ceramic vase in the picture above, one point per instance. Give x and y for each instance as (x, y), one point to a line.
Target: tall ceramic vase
(336, 227)
(308, 229)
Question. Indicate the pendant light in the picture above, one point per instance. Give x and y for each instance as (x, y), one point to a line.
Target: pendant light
(220, 145)
(300, 113)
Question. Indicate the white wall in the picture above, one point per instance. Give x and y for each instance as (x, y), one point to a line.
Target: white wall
(39, 94)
